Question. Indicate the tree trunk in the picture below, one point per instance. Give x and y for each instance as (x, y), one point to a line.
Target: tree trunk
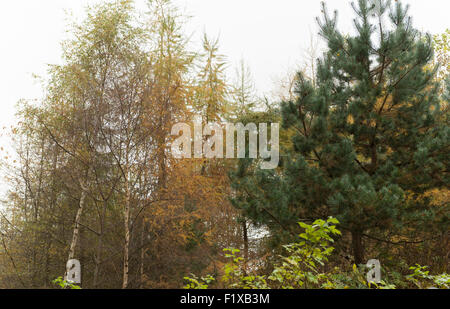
(97, 260)
(245, 235)
(76, 229)
(127, 234)
(358, 249)
(141, 268)
(98, 255)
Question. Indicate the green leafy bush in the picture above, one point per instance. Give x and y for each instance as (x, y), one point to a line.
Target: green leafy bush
(301, 268)
(297, 270)
(422, 278)
(64, 284)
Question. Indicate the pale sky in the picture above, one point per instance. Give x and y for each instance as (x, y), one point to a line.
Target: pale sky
(270, 35)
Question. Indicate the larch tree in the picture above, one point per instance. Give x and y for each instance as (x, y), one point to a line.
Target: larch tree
(243, 92)
(212, 89)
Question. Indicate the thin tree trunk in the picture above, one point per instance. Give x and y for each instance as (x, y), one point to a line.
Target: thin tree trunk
(37, 196)
(358, 249)
(141, 268)
(97, 260)
(245, 235)
(127, 233)
(47, 262)
(76, 229)
(98, 255)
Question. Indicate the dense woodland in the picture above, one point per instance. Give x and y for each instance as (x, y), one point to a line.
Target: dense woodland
(364, 169)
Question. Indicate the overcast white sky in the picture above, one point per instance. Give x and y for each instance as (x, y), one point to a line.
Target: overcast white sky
(269, 34)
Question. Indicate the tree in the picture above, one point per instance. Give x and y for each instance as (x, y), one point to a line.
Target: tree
(211, 95)
(243, 91)
(442, 57)
(367, 135)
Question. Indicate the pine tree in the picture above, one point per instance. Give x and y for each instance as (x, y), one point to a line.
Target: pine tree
(368, 139)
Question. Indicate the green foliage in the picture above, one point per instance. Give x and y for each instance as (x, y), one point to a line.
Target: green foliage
(441, 46)
(422, 279)
(195, 283)
(368, 135)
(64, 284)
(382, 285)
(300, 268)
(234, 277)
